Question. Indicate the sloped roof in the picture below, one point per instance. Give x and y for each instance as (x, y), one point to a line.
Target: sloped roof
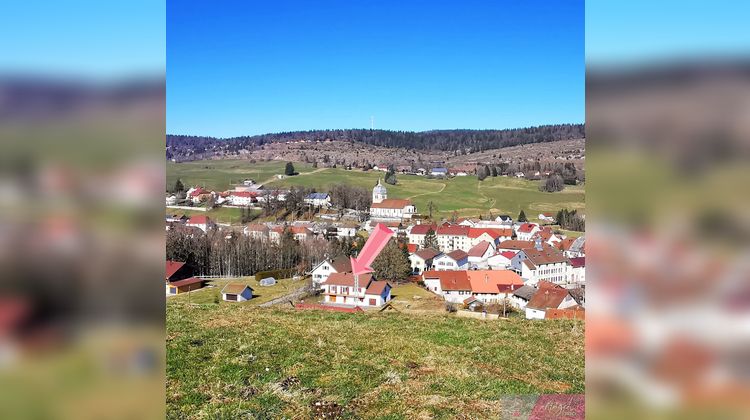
(376, 287)
(527, 227)
(422, 229)
(454, 230)
(487, 281)
(493, 232)
(578, 244)
(199, 220)
(547, 298)
(317, 196)
(457, 254)
(578, 262)
(479, 249)
(391, 203)
(235, 288)
(427, 253)
(347, 279)
(173, 267)
(450, 280)
(342, 264)
(547, 255)
(186, 282)
(525, 292)
(515, 244)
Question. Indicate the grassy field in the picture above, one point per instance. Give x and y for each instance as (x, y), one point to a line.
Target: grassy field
(466, 195)
(219, 175)
(232, 361)
(261, 294)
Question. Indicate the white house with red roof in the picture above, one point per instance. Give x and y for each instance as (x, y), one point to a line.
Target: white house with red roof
(201, 222)
(479, 253)
(325, 268)
(487, 286)
(526, 231)
(546, 298)
(339, 289)
(452, 237)
(453, 286)
(392, 209)
(578, 270)
(492, 235)
(541, 263)
(454, 260)
(417, 233)
(241, 198)
(299, 233)
(500, 260)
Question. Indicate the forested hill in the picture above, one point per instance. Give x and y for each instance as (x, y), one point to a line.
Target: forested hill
(181, 146)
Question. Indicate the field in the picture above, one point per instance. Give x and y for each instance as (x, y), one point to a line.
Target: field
(261, 294)
(232, 361)
(465, 195)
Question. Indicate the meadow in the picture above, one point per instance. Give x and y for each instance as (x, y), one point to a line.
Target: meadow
(240, 361)
(467, 196)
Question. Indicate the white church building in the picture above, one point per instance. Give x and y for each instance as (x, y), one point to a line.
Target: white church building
(389, 209)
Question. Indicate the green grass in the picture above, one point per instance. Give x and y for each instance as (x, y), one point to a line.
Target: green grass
(229, 215)
(261, 294)
(219, 175)
(465, 195)
(231, 361)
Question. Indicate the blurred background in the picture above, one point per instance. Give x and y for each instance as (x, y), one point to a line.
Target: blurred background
(82, 125)
(668, 141)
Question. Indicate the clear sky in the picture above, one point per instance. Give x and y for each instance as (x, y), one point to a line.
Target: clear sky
(251, 67)
(93, 40)
(635, 32)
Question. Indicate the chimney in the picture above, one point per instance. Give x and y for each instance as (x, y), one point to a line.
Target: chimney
(538, 243)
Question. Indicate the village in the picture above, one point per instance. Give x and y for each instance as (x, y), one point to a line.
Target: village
(482, 268)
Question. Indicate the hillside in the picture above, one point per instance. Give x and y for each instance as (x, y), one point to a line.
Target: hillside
(228, 361)
(182, 147)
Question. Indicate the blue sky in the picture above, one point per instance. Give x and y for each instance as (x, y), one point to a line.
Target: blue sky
(95, 40)
(251, 67)
(637, 32)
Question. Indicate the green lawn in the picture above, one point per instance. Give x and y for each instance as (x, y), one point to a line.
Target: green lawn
(219, 175)
(466, 195)
(261, 294)
(235, 361)
(228, 215)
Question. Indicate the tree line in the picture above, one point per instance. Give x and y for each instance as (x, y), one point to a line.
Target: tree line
(460, 141)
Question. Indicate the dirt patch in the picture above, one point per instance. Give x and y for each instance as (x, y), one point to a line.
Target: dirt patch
(326, 410)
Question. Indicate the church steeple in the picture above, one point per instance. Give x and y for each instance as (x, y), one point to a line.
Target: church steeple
(379, 193)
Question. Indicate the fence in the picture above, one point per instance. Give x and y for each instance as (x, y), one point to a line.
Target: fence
(304, 306)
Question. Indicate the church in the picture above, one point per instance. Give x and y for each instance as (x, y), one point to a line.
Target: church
(389, 209)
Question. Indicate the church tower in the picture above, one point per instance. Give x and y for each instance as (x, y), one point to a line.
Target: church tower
(379, 193)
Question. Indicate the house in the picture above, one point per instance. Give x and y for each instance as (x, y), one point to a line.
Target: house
(417, 233)
(184, 285)
(318, 199)
(256, 231)
(548, 236)
(546, 217)
(541, 263)
(325, 268)
(526, 231)
(454, 260)
(453, 237)
(577, 248)
(492, 286)
(578, 270)
(439, 171)
(453, 286)
(195, 194)
(393, 209)
(300, 233)
(505, 220)
(521, 296)
(201, 222)
(492, 235)
(421, 260)
(479, 253)
(171, 200)
(241, 198)
(346, 231)
(465, 221)
(548, 298)
(514, 245)
(178, 278)
(236, 292)
(500, 260)
(340, 289)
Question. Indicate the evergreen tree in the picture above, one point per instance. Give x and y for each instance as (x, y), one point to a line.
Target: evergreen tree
(392, 264)
(430, 240)
(289, 170)
(178, 187)
(390, 176)
(522, 217)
